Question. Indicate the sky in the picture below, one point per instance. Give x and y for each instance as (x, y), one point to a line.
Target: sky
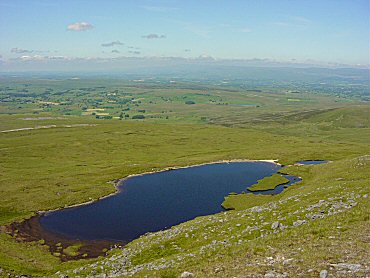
(41, 34)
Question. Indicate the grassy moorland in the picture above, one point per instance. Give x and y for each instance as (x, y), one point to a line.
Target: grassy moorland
(268, 183)
(320, 224)
(71, 157)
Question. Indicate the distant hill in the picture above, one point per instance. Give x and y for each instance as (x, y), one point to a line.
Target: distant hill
(346, 117)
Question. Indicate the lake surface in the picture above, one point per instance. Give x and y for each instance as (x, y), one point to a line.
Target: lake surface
(157, 201)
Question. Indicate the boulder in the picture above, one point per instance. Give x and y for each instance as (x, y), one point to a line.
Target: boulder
(187, 274)
(323, 273)
(275, 225)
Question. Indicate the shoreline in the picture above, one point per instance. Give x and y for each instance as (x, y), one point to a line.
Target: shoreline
(30, 229)
(116, 182)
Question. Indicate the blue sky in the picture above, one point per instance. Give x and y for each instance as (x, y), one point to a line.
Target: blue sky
(307, 31)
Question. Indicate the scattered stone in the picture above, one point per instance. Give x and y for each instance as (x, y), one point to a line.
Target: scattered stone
(120, 265)
(257, 209)
(299, 223)
(352, 267)
(187, 274)
(323, 273)
(218, 269)
(275, 225)
(287, 261)
(270, 274)
(314, 216)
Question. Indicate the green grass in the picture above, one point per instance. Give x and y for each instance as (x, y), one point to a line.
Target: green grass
(52, 168)
(244, 201)
(268, 183)
(218, 246)
(72, 250)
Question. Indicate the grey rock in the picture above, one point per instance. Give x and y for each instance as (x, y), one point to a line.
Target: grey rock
(257, 209)
(282, 227)
(323, 273)
(299, 223)
(271, 274)
(314, 216)
(287, 261)
(275, 225)
(218, 269)
(352, 267)
(187, 274)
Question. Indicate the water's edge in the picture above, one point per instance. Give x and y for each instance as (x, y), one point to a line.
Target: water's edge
(32, 230)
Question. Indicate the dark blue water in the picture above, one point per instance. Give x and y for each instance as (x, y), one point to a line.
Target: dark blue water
(153, 202)
(312, 162)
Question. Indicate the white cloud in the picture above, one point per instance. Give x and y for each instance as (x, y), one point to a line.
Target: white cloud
(109, 44)
(26, 58)
(19, 50)
(23, 51)
(115, 51)
(57, 57)
(294, 21)
(31, 58)
(79, 26)
(117, 62)
(206, 57)
(154, 36)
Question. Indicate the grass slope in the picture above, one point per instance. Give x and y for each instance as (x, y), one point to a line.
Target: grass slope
(320, 224)
(50, 168)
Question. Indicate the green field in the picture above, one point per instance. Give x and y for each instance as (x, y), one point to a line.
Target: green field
(268, 183)
(81, 140)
